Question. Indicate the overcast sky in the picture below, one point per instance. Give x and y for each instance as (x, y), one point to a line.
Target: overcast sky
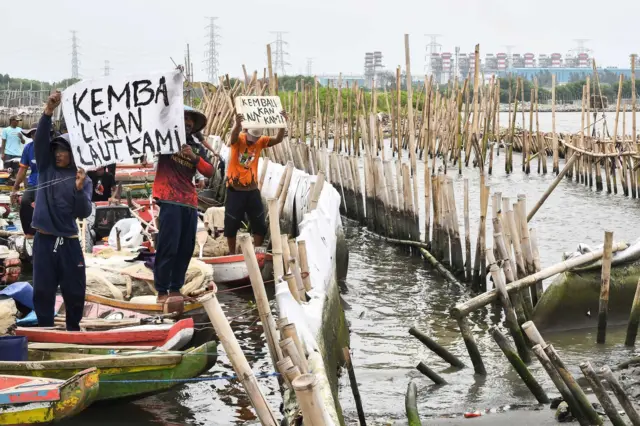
(141, 35)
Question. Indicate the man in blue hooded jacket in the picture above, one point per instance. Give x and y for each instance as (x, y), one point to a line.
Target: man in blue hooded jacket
(63, 195)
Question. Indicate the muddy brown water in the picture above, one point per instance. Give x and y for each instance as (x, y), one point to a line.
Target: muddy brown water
(389, 292)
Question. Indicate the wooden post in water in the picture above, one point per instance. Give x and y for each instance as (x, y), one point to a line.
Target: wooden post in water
(354, 386)
(601, 394)
(556, 155)
(290, 349)
(512, 320)
(463, 309)
(435, 377)
(238, 360)
(574, 387)
(553, 185)
(603, 307)
(472, 347)
(411, 406)
(634, 319)
(538, 290)
(436, 348)
(619, 392)
(574, 405)
(467, 232)
(519, 365)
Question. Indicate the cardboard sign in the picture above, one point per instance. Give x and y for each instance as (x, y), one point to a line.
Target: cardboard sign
(261, 112)
(117, 119)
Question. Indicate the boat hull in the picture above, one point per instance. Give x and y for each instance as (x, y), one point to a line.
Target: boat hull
(232, 270)
(126, 377)
(166, 336)
(52, 401)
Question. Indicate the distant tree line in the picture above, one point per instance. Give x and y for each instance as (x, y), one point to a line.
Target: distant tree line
(12, 83)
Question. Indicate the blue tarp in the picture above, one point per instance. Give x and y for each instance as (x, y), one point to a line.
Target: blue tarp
(20, 292)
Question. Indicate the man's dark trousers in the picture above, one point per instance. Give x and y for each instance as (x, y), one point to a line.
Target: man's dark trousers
(58, 261)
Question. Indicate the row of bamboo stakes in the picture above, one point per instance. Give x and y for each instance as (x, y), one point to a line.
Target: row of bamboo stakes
(447, 125)
(285, 346)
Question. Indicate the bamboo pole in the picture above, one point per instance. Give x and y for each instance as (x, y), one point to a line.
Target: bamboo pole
(601, 394)
(603, 307)
(262, 302)
(286, 255)
(276, 241)
(556, 154)
(512, 320)
(619, 392)
(304, 265)
(574, 405)
(634, 319)
(467, 231)
(585, 406)
(411, 406)
(463, 309)
(435, 377)
(520, 366)
(290, 349)
(282, 366)
(553, 185)
(436, 348)
(472, 347)
(293, 286)
(238, 360)
(354, 386)
(308, 396)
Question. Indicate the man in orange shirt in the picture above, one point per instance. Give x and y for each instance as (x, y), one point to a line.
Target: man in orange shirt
(243, 195)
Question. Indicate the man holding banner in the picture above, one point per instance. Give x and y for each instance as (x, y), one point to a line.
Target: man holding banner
(243, 195)
(63, 195)
(178, 219)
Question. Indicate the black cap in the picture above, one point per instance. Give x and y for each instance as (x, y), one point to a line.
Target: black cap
(62, 141)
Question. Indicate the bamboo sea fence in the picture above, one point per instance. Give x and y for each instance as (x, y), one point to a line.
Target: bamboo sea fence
(371, 158)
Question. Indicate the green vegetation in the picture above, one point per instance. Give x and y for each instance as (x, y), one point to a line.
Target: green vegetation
(7, 82)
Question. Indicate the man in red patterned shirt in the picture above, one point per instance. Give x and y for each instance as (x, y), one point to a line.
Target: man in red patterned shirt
(176, 195)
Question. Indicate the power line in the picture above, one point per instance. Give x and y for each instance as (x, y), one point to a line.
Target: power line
(280, 63)
(211, 54)
(107, 68)
(75, 62)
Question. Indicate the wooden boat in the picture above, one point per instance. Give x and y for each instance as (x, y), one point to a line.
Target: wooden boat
(190, 308)
(31, 400)
(148, 306)
(232, 269)
(165, 336)
(124, 375)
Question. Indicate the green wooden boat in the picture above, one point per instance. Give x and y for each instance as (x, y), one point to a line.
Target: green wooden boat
(123, 373)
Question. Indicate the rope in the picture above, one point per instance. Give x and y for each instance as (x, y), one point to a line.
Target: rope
(191, 380)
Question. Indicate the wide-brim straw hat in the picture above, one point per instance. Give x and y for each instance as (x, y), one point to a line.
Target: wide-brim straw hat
(199, 119)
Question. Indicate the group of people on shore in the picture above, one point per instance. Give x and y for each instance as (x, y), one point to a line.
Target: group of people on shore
(57, 193)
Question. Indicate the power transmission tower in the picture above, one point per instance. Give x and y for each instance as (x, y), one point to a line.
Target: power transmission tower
(107, 68)
(310, 66)
(280, 63)
(432, 47)
(211, 54)
(75, 62)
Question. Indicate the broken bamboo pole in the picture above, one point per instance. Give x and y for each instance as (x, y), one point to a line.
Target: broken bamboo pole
(463, 309)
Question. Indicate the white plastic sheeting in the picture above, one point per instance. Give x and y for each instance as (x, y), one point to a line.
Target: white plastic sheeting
(318, 229)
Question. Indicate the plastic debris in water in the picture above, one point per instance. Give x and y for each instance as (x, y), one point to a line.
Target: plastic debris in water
(473, 414)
